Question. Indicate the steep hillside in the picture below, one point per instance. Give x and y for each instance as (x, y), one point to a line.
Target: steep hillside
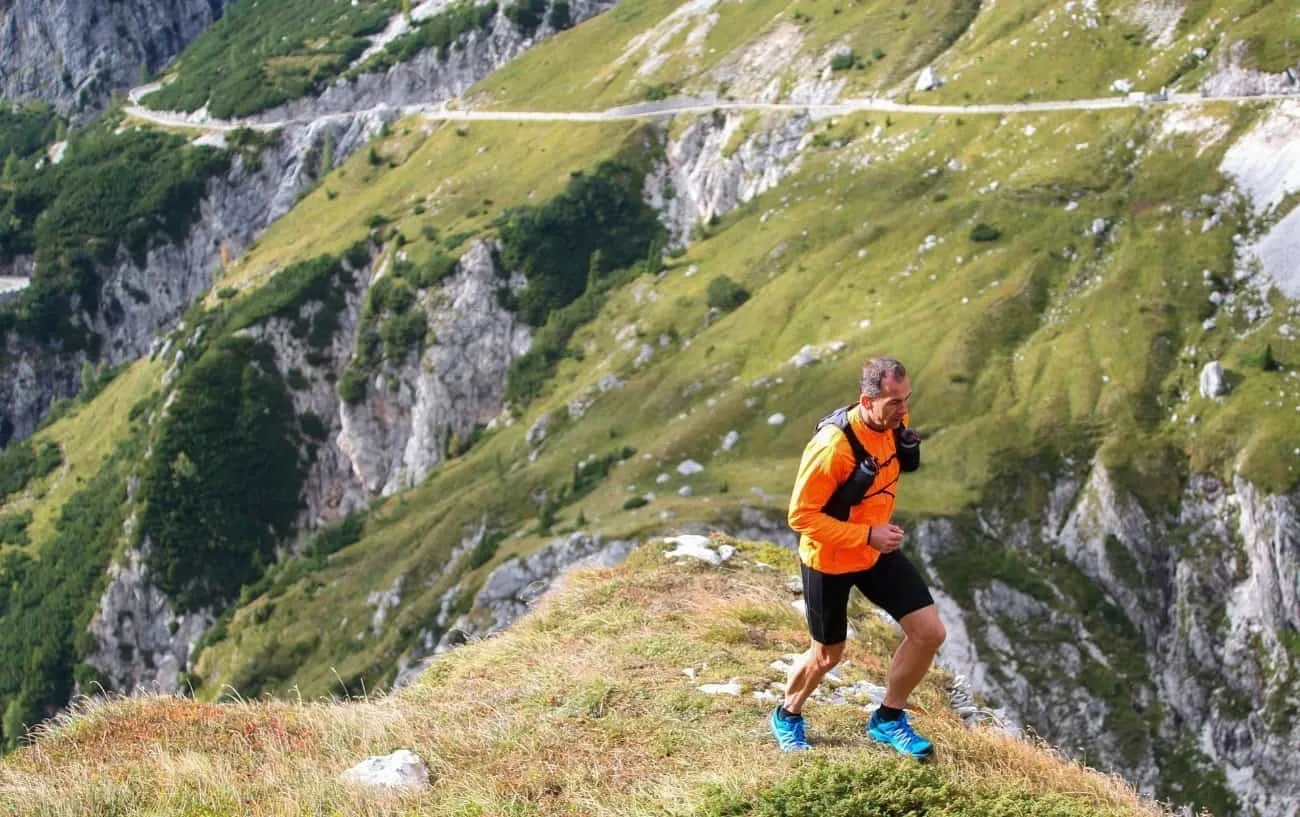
(476, 352)
(597, 703)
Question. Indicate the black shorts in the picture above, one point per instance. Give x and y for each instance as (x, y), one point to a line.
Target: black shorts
(892, 583)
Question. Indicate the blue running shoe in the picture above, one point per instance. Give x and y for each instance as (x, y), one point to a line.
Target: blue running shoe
(789, 734)
(901, 736)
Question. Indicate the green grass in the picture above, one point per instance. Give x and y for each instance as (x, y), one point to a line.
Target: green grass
(261, 54)
(86, 436)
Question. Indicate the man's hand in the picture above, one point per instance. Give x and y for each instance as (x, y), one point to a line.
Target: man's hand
(885, 538)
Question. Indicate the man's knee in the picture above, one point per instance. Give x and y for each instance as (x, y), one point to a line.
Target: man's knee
(925, 628)
(826, 656)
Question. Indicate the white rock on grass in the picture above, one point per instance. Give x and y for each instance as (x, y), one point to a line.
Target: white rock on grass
(689, 467)
(685, 490)
(928, 79)
(402, 769)
(694, 546)
(776, 419)
(732, 688)
(729, 442)
(805, 357)
(1213, 383)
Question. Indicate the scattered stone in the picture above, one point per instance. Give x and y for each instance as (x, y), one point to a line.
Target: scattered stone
(689, 672)
(644, 355)
(730, 440)
(928, 80)
(955, 165)
(608, 383)
(1121, 86)
(536, 434)
(805, 357)
(776, 419)
(685, 490)
(695, 546)
(732, 688)
(1213, 383)
(402, 769)
(662, 478)
(767, 695)
(1030, 130)
(1098, 226)
(688, 467)
(1071, 206)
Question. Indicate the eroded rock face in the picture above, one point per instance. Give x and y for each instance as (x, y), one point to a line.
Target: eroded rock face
(73, 53)
(1206, 594)
(141, 644)
(703, 177)
(396, 435)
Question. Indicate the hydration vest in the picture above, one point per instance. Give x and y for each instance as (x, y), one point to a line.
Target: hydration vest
(859, 485)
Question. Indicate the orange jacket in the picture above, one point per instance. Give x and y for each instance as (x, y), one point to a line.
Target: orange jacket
(826, 544)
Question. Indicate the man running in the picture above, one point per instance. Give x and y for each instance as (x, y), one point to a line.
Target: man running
(841, 506)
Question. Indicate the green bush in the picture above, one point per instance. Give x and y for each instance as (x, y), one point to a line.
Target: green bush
(983, 232)
(13, 528)
(885, 786)
(1261, 359)
(334, 538)
(846, 60)
(485, 549)
(352, 386)
(22, 462)
(26, 130)
(221, 485)
(526, 14)
(725, 294)
(560, 17)
(598, 224)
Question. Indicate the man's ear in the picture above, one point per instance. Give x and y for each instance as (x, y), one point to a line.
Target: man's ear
(865, 402)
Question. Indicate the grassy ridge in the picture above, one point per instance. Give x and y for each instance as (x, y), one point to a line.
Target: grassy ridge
(581, 708)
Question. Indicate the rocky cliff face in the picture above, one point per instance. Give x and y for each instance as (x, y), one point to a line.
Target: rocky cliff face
(394, 437)
(1209, 597)
(721, 162)
(73, 53)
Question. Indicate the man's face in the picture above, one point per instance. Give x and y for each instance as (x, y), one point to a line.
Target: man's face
(887, 410)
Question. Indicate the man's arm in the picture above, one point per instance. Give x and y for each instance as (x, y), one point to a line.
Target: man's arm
(823, 468)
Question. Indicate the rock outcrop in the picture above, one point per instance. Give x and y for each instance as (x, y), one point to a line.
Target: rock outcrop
(74, 53)
(716, 166)
(1207, 596)
(397, 434)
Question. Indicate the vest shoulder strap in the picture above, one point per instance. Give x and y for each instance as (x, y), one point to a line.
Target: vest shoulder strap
(840, 419)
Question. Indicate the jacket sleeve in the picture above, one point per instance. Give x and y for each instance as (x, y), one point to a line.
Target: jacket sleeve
(821, 471)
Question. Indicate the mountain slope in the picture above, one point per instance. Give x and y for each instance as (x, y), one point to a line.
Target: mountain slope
(1109, 539)
(582, 707)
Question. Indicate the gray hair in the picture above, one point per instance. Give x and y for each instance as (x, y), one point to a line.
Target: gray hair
(876, 370)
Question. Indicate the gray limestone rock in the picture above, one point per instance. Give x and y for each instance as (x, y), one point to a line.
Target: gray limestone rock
(73, 53)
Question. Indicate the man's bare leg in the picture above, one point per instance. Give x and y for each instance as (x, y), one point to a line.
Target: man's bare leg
(923, 634)
(818, 660)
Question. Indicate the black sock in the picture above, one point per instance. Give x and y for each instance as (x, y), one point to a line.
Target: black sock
(787, 715)
(888, 713)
